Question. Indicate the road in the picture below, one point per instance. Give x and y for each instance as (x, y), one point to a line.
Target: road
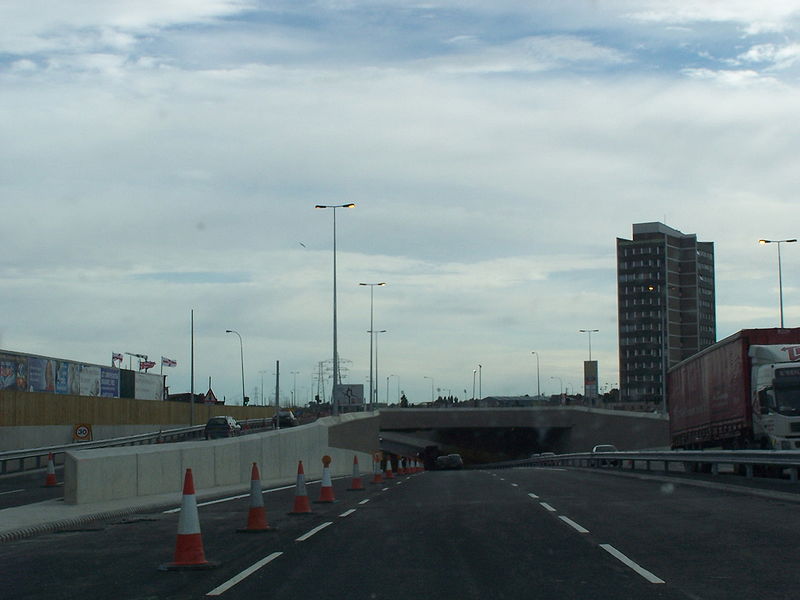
(517, 533)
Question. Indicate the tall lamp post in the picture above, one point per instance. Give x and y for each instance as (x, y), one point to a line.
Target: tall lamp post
(336, 380)
(480, 381)
(263, 401)
(431, 378)
(780, 274)
(376, 366)
(241, 353)
(474, 373)
(294, 375)
(371, 328)
(538, 381)
(590, 332)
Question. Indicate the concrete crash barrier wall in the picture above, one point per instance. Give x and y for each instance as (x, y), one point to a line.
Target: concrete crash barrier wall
(118, 473)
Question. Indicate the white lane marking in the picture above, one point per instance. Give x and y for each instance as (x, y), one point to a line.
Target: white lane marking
(316, 530)
(384, 489)
(502, 479)
(347, 513)
(628, 562)
(243, 575)
(398, 483)
(573, 524)
(229, 498)
(514, 485)
(11, 492)
(546, 506)
(364, 501)
(534, 496)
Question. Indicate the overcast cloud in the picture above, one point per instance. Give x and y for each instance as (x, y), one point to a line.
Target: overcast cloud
(158, 157)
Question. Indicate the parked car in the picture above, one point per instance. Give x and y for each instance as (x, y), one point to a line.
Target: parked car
(286, 418)
(449, 461)
(220, 427)
(604, 449)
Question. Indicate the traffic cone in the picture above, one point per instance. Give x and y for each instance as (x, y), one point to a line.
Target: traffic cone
(50, 480)
(257, 516)
(189, 545)
(377, 474)
(388, 474)
(326, 491)
(301, 504)
(356, 485)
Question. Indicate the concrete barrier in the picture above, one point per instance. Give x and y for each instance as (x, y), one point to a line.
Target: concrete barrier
(118, 473)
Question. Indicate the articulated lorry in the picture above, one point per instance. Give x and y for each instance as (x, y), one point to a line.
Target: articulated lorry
(742, 392)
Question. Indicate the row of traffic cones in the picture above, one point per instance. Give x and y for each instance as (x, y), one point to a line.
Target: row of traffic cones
(379, 475)
(189, 553)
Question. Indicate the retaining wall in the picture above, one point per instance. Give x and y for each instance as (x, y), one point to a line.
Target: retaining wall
(118, 473)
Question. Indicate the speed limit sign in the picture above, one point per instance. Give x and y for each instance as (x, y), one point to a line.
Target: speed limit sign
(82, 433)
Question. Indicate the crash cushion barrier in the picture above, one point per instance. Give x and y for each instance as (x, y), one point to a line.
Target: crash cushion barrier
(107, 474)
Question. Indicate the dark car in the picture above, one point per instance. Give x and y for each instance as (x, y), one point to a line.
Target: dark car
(449, 461)
(222, 427)
(286, 418)
(603, 449)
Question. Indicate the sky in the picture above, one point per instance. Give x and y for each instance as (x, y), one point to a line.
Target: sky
(162, 157)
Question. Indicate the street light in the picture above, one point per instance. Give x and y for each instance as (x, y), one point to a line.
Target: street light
(376, 366)
(294, 386)
(263, 402)
(431, 378)
(474, 372)
(241, 352)
(590, 332)
(336, 380)
(780, 275)
(371, 298)
(480, 381)
(538, 382)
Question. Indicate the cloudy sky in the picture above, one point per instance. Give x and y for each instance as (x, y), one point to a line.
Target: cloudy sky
(161, 156)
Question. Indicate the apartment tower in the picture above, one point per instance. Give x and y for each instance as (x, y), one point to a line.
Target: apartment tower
(666, 306)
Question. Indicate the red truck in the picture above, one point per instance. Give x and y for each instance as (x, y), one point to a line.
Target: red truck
(742, 392)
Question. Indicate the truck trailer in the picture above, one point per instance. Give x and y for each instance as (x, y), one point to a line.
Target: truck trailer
(741, 393)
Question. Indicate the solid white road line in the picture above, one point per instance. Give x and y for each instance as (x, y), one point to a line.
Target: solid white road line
(316, 530)
(347, 513)
(546, 506)
(364, 501)
(11, 492)
(244, 574)
(628, 562)
(534, 496)
(573, 524)
(229, 498)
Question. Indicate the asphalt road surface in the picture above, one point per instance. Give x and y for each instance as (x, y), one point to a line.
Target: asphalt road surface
(517, 533)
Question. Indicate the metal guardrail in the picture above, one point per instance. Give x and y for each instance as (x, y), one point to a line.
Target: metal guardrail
(747, 462)
(35, 458)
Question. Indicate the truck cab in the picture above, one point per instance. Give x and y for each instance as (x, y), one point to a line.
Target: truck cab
(776, 395)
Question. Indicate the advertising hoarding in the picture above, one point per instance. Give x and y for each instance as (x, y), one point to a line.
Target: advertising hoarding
(590, 379)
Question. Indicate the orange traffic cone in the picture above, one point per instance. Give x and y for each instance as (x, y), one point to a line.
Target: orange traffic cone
(50, 480)
(356, 485)
(189, 545)
(257, 516)
(326, 491)
(301, 504)
(388, 474)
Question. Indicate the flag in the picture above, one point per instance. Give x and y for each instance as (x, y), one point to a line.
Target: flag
(116, 356)
(168, 362)
(146, 364)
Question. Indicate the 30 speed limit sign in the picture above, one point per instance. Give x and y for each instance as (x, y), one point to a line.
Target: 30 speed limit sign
(82, 433)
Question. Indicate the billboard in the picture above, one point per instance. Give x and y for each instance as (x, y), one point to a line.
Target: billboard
(42, 374)
(148, 387)
(590, 379)
(13, 372)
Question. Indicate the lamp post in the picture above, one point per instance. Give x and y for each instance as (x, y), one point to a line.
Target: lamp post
(431, 378)
(480, 381)
(590, 332)
(376, 366)
(263, 402)
(371, 304)
(294, 386)
(780, 274)
(241, 353)
(538, 381)
(336, 381)
(474, 372)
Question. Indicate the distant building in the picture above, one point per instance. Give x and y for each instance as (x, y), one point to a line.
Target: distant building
(665, 303)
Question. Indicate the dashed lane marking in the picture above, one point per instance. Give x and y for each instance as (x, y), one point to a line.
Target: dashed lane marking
(314, 531)
(364, 501)
(243, 575)
(534, 496)
(573, 524)
(546, 506)
(514, 485)
(347, 513)
(629, 563)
